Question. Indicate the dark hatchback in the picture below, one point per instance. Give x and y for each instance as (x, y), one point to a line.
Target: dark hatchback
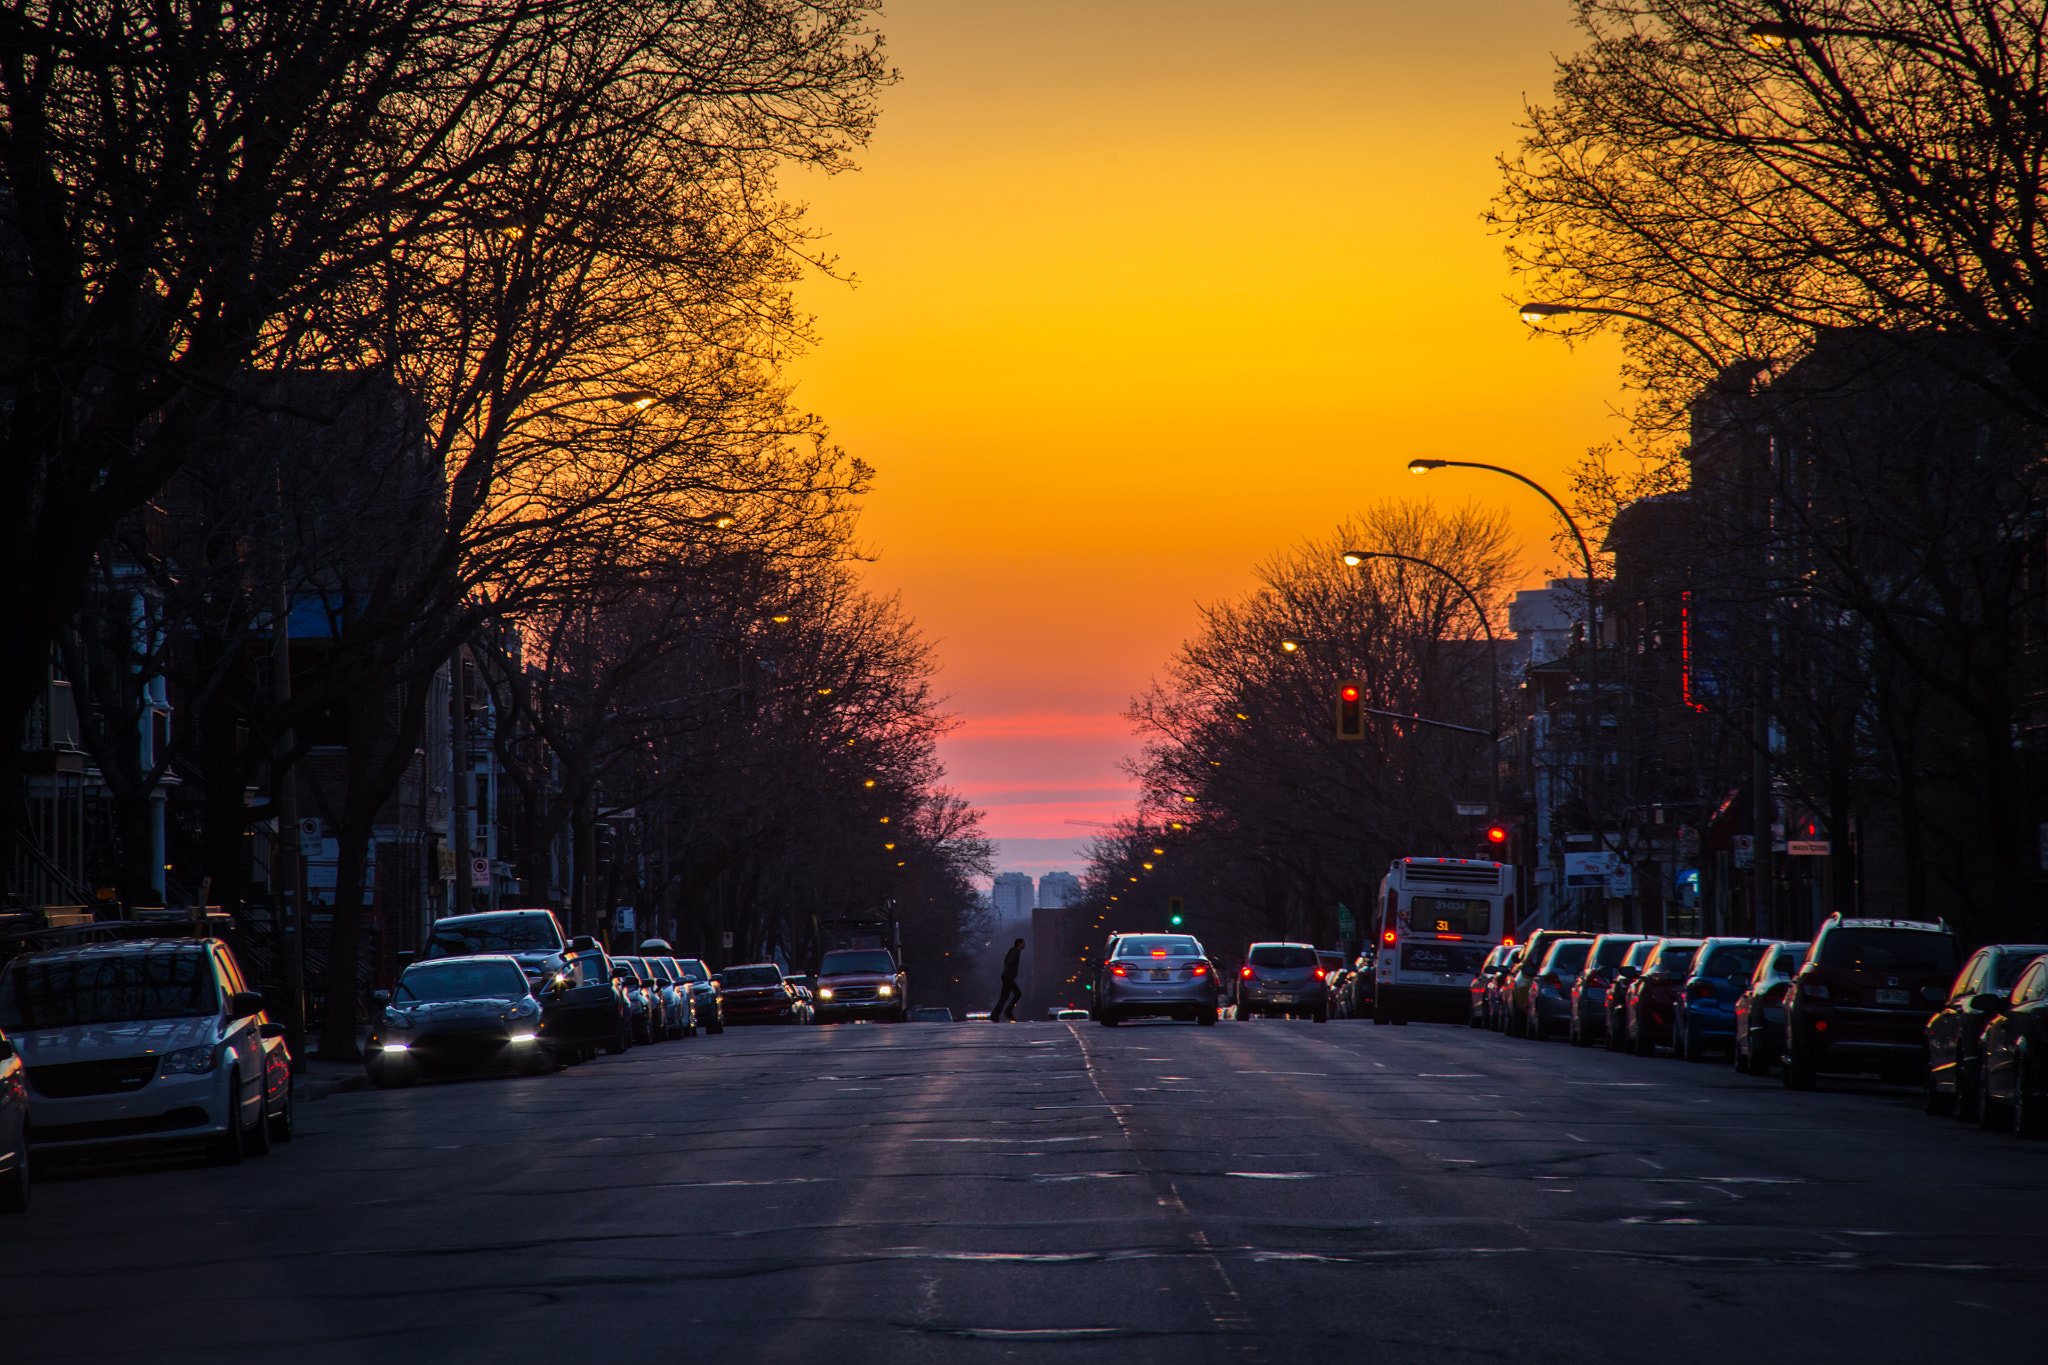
(1653, 996)
(453, 1018)
(1760, 1009)
(758, 993)
(2016, 1055)
(1955, 1035)
(1863, 996)
(582, 1008)
(1589, 995)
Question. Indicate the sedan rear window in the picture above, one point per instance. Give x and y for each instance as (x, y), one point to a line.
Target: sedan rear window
(495, 934)
(461, 981)
(67, 992)
(1888, 950)
(1674, 960)
(752, 976)
(2010, 965)
(1282, 956)
(692, 969)
(1570, 955)
(1732, 960)
(1170, 945)
(857, 960)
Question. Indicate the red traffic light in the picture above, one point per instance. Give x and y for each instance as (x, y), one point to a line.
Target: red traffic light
(1496, 834)
(1350, 713)
(1349, 693)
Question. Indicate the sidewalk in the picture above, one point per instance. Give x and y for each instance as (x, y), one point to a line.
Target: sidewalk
(321, 1079)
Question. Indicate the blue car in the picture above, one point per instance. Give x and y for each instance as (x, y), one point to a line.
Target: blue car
(1705, 1016)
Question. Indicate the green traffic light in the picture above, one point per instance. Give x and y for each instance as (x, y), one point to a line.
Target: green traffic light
(1176, 919)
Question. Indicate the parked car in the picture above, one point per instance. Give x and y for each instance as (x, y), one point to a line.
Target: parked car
(533, 938)
(644, 1007)
(758, 993)
(1955, 1035)
(1705, 1010)
(1482, 981)
(1615, 1024)
(1588, 1017)
(14, 1172)
(1335, 970)
(2016, 1055)
(1760, 1009)
(1550, 990)
(583, 1008)
(707, 1002)
(861, 983)
(458, 1016)
(1653, 995)
(671, 1008)
(1287, 979)
(1498, 987)
(142, 1043)
(1160, 975)
(1863, 996)
(683, 1008)
(939, 1014)
(1516, 990)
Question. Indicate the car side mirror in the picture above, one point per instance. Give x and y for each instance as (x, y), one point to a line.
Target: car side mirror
(380, 998)
(1987, 1003)
(270, 1030)
(242, 1004)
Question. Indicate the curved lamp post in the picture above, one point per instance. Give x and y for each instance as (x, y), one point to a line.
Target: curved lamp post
(1534, 312)
(1357, 557)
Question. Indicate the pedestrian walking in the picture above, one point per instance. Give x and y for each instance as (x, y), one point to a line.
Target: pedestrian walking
(1010, 995)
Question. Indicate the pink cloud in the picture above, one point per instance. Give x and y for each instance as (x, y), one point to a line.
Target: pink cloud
(1042, 725)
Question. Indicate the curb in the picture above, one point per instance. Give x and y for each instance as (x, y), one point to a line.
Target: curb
(310, 1088)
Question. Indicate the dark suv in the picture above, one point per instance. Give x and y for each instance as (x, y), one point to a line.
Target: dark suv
(861, 983)
(1863, 996)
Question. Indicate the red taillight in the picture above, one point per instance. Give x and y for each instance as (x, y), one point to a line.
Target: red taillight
(1246, 973)
(1159, 952)
(1507, 942)
(1200, 969)
(1320, 973)
(1700, 990)
(1387, 937)
(1820, 1026)
(1118, 971)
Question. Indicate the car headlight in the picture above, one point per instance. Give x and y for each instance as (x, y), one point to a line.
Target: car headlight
(396, 1045)
(523, 1038)
(824, 992)
(190, 1061)
(885, 990)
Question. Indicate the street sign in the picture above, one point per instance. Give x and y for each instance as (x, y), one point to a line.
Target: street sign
(1589, 870)
(622, 919)
(1745, 849)
(1472, 807)
(1347, 923)
(480, 873)
(1622, 880)
(310, 845)
(1807, 848)
(728, 938)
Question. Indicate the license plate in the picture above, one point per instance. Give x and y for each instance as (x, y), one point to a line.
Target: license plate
(1158, 975)
(1283, 999)
(1885, 997)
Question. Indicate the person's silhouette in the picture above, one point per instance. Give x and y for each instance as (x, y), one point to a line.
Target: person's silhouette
(1009, 995)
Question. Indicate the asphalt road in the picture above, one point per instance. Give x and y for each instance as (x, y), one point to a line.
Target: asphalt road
(1267, 1191)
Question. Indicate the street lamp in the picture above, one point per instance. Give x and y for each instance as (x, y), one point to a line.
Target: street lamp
(1355, 558)
(1421, 466)
(1535, 311)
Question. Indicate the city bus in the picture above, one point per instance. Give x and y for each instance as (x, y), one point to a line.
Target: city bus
(1435, 921)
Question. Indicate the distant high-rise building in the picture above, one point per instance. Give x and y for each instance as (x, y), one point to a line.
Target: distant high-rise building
(1057, 889)
(1012, 895)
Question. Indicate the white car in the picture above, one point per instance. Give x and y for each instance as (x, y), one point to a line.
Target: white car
(145, 1043)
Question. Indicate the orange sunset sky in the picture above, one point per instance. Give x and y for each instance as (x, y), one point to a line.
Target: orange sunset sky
(1148, 291)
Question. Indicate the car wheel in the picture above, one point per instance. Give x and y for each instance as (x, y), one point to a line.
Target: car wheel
(1109, 1019)
(1798, 1074)
(283, 1126)
(1695, 1050)
(14, 1193)
(1206, 1017)
(1322, 1016)
(620, 1040)
(2029, 1112)
(717, 1023)
(1969, 1099)
(1990, 1113)
(227, 1149)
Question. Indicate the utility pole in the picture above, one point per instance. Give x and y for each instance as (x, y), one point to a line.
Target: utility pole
(459, 779)
(284, 801)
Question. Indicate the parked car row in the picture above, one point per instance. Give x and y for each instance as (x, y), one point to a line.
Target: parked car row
(1864, 996)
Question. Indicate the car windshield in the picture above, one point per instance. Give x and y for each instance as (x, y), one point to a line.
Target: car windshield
(1612, 951)
(461, 981)
(1888, 950)
(1570, 955)
(1448, 915)
(1675, 959)
(2010, 965)
(635, 966)
(1732, 960)
(752, 976)
(67, 992)
(495, 934)
(1639, 953)
(857, 960)
(1280, 956)
(692, 969)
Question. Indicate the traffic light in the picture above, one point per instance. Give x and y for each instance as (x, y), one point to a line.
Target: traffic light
(1173, 912)
(1496, 834)
(1350, 718)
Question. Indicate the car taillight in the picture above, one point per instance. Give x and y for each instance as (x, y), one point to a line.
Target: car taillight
(1200, 969)
(1507, 942)
(1813, 987)
(1246, 973)
(1320, 973)
(1387, 937)
(1700, 990)
(1118, 971)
